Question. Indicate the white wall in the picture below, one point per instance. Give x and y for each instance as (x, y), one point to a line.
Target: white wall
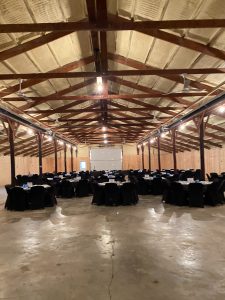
(107, 158)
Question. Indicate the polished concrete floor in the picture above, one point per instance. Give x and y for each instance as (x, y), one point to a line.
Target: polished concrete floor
(79, 251)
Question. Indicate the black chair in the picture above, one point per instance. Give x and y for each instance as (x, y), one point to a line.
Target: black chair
(167, 195)
(196, 194)
(37, 197)
(129, 194)
(143, 186)
(212, 196)
(178, 194)
(221, 191)
(50, 197)
(112, 194)
(58, 188)
(98, 194)
(19, 180)
(67, 189)
(17, 199)
(25, 179)
(8, 199)
(82, 189)
(157, 186)
(36, 179)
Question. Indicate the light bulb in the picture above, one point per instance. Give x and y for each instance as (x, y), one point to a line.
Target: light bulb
(30, 131)
(182, 127)
(221, 109)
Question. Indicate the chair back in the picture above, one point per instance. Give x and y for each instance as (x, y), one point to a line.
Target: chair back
(67, 189)
(18, 199)
(196, 194)
(83, 188)
(129, 194)
(37, 197)
(178, 194)
(98, 194)
(112, 194)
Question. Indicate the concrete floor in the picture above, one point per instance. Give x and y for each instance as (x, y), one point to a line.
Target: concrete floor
(79, 251)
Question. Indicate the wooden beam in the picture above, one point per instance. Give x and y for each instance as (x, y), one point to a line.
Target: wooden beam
(149, 156)
(56, 96)
(40, 140)
(142, 156)
(110, 110)
(56, 158)
(174, 149)
(141, 66)
(146, 89)
(159, 158)
(202, 150)
(27, 46)
(60, 93)
(71, 155)
(11, 135)
(109, 119)
(180, 41)
(192, 137)
(146, 72)
(112, 26)
(66, 68)
(65, 162)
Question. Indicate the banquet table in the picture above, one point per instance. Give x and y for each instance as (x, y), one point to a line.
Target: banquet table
(17, 201)
(27, 188)
(119, 194)
(186, 183)
(119, 183)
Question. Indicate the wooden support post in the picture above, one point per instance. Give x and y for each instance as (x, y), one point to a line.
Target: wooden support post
(138, 150)
(174, 149)
(142, 156)
(159, 161)
(39, 136)
(56, 158)
(65, 164)
(149, 156)
(202, 149)
(71, 149)
(11, 132)
(201, 125)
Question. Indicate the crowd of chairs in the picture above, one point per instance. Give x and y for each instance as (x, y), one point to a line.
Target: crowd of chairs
(37, 197)
(113, 195)
(196, 194)
(165, 183)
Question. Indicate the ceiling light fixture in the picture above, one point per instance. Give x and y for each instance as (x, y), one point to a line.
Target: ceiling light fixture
(163, 134)
(221, 109)
(152, 141)
(182, 127)
(105, 135)
(99, 84)
(105, 141)
(30, 131)
(103, 128)
(61, 143)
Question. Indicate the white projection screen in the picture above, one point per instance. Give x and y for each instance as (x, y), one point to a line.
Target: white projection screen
(107, 158)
